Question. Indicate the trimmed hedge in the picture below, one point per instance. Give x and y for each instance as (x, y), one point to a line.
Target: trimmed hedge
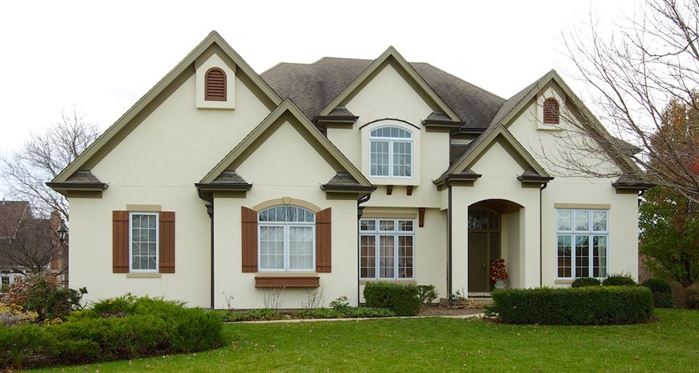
(401, 299)
(312, 313)
(150, 327)
(585, 281)
(573, 306)
(662, 292)
(618, 280)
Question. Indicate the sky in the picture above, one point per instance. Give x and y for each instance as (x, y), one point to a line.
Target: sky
(100, 57)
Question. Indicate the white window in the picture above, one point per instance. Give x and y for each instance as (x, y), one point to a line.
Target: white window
(582, 239)
(386, 248)
(287, 239)
(391, 152)
(143, 241)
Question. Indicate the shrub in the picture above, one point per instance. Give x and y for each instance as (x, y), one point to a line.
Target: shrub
(662, 292)
(585, 281)
(41, 293)
(426, 293)
(349, 312)
(12, 315)
(151, 327)
(692, 300)
(574, 306)
(401, 299)
(340, 303)
(619, 280)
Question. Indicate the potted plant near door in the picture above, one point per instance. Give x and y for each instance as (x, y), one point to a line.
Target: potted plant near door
(498, 273)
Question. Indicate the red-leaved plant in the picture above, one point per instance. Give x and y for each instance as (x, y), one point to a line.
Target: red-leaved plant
(498, 271)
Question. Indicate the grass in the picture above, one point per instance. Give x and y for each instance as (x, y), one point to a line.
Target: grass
(670, 343)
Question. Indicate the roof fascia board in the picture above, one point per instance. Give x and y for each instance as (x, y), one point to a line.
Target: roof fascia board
(158, 88)
(286, 106)
(391, 52)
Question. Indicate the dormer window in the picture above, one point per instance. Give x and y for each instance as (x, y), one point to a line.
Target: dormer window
(551, 111)
(215, 85)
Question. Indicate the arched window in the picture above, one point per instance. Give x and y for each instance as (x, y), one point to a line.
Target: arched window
(287, 239)
(551, 111)
(215, 85)
(391, 152)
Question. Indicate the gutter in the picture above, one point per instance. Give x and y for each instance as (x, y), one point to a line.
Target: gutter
(449, 220)
(210, 212)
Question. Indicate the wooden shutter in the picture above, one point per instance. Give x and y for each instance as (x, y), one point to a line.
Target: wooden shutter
(120, 241)
(166, 256)
(215, 88)
(249, 239)
(323, 241)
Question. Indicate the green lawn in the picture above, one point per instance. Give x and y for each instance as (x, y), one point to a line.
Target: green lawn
(669, 344)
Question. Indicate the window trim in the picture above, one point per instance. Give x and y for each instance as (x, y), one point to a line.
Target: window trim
(376, 233)
(287, 225)
(157, 241)
(391, 141)
(590, 234)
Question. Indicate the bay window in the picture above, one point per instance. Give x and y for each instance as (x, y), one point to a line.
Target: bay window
(386, 248)
(582, 243)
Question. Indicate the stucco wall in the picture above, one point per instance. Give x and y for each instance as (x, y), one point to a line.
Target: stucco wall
(158, 164)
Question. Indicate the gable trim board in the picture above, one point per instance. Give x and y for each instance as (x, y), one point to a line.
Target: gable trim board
(175, 76)
(241, 152)
(390, 54)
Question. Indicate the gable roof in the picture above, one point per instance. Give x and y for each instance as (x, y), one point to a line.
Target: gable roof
(213, 39)
(481, 144)
(313, 86)
(242, 150)
(11, 215)
(617, 149)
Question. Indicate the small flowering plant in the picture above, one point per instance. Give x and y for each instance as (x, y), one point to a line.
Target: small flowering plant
(498, 271)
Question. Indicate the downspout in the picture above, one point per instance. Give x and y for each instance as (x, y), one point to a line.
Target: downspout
(360, 211)
(541, 234)
(210, 212)
(449, 218)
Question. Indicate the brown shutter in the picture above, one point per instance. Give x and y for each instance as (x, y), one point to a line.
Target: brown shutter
(215, 88)
(249, 239)
(120, 241)
(166, 256)
(323, 241)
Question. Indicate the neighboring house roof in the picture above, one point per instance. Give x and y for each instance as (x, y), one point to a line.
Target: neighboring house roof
(345, 169)
(32, 241)
(11, 215)
(313, 86)
(114, 134)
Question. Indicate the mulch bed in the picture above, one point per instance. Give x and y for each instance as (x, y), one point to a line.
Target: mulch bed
(439, 310)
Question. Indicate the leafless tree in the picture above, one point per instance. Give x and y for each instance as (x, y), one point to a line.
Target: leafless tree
(650, 62)
(42, 158)
(34, 246)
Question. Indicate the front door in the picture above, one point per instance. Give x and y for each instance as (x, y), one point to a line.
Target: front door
(478, 281)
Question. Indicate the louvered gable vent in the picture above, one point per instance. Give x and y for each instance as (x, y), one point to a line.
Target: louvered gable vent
(215, 89)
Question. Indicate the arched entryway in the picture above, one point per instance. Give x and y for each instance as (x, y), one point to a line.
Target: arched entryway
(485, 240)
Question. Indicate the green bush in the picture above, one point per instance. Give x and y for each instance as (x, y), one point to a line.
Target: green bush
(151, 327)
(401, 299)
(662, 292)
(585, 281)
(427, 293)
(618, 280)
(349, 312)
(574, 306)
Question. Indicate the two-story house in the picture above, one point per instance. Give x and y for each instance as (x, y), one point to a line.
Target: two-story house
(222, 186)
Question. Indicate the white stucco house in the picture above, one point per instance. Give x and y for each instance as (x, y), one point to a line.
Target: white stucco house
(222, 185)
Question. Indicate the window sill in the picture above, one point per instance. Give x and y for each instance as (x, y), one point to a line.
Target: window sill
(407, 281)
(287, 280)
(143, 275)
(563, 281)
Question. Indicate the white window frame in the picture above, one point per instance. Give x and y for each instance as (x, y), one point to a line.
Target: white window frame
(287, 225)
(396, 233)
(157, 241)
(590, 233)
(391, 141)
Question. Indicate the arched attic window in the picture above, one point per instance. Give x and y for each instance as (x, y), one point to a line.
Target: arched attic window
(215, 85)
(551, 111)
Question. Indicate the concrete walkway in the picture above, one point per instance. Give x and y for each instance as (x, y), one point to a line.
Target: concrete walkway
(471, 316)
